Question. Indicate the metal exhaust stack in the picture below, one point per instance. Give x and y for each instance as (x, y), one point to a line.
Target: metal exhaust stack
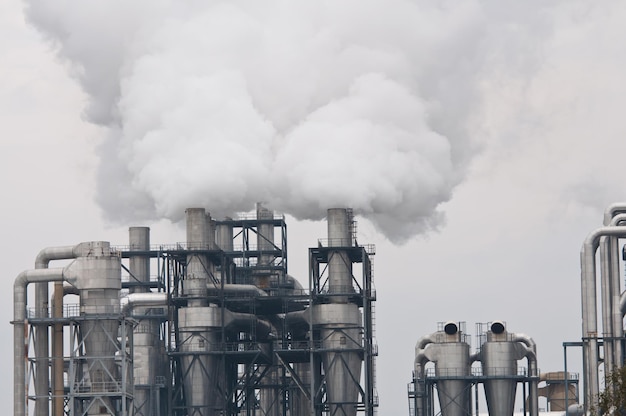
(199, 321)
(146, 361)
(269, 395)
(339, 321)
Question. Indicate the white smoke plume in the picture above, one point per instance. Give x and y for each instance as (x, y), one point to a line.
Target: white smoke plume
(371, 104)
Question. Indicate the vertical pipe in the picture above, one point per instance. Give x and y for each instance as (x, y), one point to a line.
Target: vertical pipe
(57, 352)
(145, 360)
(606, 295)
(589, 308)
(265, 245)
(41, 335)
(224, 241)
(340, 321)
(614, 272)
(339, 264)
(609, 245)
(198, 320)
(57, 347)
(42, 362)
(139, 265)
(20, 348)
(269, 395)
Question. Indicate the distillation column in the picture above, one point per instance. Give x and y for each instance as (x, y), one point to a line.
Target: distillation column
(148, 360)
(199, 322)
(339, 321)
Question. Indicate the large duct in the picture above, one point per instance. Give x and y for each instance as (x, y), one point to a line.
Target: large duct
(450, 353)
(339, 322)
(499, 356)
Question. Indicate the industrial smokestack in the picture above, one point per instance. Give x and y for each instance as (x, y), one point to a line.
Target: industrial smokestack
(340, 321)
(199, 322)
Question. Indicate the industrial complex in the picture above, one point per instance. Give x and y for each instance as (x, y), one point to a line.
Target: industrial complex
(216, 325)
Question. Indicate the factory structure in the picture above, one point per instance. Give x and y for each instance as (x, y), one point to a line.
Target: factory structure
(447, 374)
(213, 326)
(216, 326)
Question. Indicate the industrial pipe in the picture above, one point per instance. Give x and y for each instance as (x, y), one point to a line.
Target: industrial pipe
(143, 299)
(589, 305)
(612, 247)
(531, 355)
(610, 284)
(20, 342)
(57, 347)
(42, 385)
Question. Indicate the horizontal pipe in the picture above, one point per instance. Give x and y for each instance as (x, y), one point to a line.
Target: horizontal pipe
(613, 210)
(232, 289)
(144, 299)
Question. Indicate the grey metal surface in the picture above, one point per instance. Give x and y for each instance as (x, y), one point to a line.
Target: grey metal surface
(339, 265)
(146, 351)
(207, 339)
(198, 321)
(589, 307)
(42, 384)
(499, 356)
(451, 356)
(339, 321)
(98, 278)
(19, 330)
(198, 328)
(269, 400)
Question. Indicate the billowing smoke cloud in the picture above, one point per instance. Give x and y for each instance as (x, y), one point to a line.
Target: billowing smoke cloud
(304, 105)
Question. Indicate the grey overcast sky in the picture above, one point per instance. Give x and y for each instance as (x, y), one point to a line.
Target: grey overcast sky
(480, 140)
